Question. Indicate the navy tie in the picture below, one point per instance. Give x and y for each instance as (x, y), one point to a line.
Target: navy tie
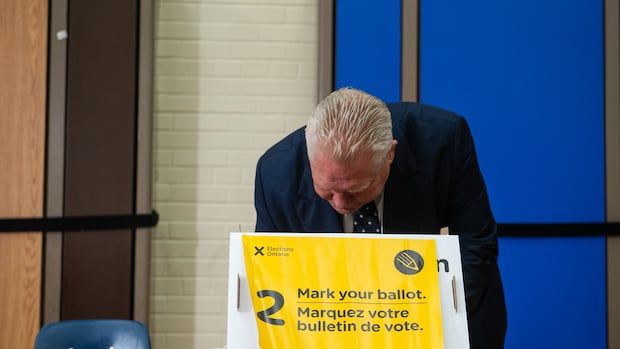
(366, 219)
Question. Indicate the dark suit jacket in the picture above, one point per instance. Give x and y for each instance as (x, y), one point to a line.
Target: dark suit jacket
(434, 182)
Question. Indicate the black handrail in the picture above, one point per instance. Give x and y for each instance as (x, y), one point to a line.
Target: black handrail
(79, 223)
(120, 222)
(558, 229)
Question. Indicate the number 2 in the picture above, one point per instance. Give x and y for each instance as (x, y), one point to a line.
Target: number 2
(277, 305)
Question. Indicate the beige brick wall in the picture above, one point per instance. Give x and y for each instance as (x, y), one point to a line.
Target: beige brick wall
(231, 78)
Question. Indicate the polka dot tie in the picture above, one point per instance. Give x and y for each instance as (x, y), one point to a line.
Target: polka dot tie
(366, 219)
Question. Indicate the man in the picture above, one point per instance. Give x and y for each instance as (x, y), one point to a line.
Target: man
(411, 166)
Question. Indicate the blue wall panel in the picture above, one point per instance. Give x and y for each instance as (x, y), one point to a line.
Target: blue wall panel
(528, 76)
(367, 47)
(555, 292)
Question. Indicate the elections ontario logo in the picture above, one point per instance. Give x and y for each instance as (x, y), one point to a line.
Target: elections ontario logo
(408, 262)
(272, 251)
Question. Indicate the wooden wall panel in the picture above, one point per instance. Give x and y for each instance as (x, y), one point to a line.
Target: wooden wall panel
(100, 156)
(23, 59)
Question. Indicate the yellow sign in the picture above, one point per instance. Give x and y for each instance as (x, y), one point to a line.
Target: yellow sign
(344, 292)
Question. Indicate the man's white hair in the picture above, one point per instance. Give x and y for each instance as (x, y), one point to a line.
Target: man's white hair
(348, 122)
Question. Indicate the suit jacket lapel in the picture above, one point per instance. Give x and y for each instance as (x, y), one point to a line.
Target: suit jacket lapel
(315, 214)
(403, 194)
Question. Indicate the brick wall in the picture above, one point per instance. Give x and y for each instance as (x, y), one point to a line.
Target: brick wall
(231, 78)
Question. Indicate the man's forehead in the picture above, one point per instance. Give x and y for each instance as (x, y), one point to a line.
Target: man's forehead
(349, 184)
(329, 173)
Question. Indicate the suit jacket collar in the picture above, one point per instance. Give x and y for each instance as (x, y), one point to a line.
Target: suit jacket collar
(403, 200)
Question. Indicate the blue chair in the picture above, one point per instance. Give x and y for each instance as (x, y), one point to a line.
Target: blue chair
(93, 334)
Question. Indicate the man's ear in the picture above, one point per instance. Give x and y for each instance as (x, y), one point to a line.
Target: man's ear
(392, 151)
